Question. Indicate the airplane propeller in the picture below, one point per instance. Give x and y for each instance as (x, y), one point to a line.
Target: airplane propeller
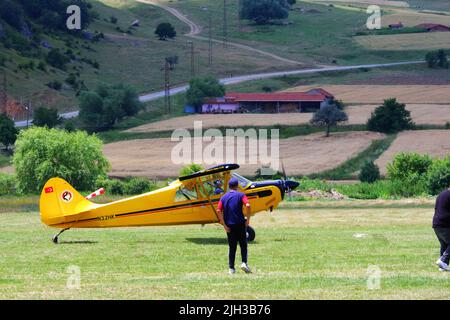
(289, 185)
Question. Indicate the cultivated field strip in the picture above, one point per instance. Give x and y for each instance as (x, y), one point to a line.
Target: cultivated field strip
(301, 155)
(433, 114)
(402, 42)
(374, 94)
(432, 142)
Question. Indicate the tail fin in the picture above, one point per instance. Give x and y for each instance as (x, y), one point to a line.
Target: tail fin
(59, 200)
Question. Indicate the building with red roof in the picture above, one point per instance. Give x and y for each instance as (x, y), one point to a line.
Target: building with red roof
(276, 102)
(433, 27)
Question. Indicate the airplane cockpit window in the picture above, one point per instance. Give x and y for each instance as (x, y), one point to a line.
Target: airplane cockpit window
(212, 186)
(185, 193)
(243, 182)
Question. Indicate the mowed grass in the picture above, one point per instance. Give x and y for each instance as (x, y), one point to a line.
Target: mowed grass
(306, 251)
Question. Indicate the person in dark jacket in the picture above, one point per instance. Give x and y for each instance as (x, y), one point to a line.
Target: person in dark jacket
(441, 226)
(231, 216)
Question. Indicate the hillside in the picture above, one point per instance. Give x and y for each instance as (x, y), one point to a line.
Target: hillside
(119, 54)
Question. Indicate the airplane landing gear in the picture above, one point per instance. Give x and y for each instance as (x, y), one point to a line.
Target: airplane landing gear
(55, 237)
(250, 234)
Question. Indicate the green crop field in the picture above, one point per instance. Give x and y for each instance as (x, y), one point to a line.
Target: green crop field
(306, 250)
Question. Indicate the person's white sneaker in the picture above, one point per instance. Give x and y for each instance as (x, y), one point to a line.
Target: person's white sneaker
(245, 268)
(442, 265)
(231, 271)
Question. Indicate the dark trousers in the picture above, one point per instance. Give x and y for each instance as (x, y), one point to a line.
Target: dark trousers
(443, 235)
(238, 233)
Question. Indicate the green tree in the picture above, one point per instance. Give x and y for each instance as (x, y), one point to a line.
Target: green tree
(91, 111)
(262, 11)
(442, 58)
(104, 107)
(391, 117)
(437, 59)
(46, 117)
(43, 153)
(328, 116)
(165, 30)
(201, 88)
(12, 13)
(369, 172)
(432, 59)
(8, 131)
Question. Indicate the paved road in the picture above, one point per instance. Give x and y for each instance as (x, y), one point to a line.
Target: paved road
(259, 76)
(195, 30)
(250, 77)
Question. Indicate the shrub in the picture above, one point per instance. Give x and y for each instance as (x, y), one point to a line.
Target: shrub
(42, 66)
(438, 177)
(307, 184)
(390, 117)
(55, 85)
(406, 165)
(138, 186)
(7, 184)
(369, 173)
(57, 59)
(43, 153)
(115, 186)
(190, 169)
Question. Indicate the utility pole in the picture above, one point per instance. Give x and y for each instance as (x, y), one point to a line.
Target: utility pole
(167, 86)
(210, 53)
(4, 97)
(225, 24)
(191, 43)
(239, 15)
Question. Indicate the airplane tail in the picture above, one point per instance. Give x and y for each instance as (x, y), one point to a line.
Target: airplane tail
(59, 200)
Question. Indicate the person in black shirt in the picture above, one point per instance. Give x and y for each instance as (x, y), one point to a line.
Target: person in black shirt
(441, 226)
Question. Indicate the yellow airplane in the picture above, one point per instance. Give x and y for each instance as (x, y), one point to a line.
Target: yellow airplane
(190, 199)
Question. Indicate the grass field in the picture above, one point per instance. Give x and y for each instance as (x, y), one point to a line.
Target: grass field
(312, 250)
(319, 35)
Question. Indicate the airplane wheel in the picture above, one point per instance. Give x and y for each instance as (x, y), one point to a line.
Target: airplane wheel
(250, 234)
(55, 239)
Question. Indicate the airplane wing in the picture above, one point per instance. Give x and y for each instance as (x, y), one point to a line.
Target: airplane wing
(209, 171)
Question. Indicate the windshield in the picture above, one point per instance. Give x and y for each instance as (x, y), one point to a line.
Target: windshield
(243, 182)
